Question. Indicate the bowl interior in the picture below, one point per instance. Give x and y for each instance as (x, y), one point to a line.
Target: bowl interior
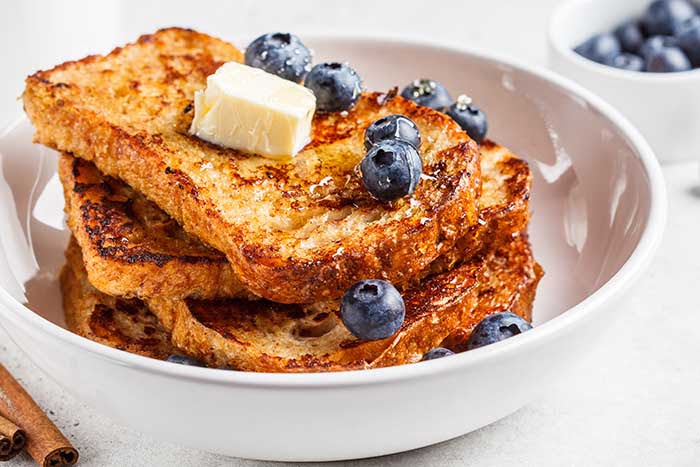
(590, 203)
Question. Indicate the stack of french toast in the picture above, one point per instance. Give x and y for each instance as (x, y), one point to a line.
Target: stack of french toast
(183, 249)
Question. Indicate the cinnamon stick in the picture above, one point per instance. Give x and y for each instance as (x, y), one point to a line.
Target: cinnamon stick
(44, 442)
(5, 447)
(12, 439)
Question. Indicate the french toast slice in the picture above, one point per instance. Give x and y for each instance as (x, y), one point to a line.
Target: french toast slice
(132, 248)
(297, 231)
(125, 324)
(517, 296)
(270, 337)
(504, 207)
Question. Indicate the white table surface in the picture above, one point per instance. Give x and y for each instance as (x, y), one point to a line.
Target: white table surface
(635, 399)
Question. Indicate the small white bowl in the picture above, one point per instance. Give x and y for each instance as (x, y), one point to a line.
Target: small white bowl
(599, 208)
(665, 107)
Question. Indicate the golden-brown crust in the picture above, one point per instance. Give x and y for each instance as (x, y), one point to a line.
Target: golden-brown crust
(120, 323)
(272, 337)
(129, 113)
(504, 211)
(133, 249)
(499, 292)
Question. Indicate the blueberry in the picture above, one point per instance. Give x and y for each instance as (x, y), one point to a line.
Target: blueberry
(630, 36)
(394, 126)
(372, 309)
(428, 93)
(663, 16)
(337, 86)
(668, 60)
(437, 352)
(627, 61)
(600, 48)
(690, 23)
(656, 43)
(469, 117)
(391, 170)
(183, 360)
(689, 40)
(495, 328)
(279, 53)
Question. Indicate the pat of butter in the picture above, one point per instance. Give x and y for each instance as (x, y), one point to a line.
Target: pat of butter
(248, 109)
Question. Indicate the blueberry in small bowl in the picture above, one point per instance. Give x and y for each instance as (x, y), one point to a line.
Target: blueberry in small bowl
(656, 43)
(495, 328)
(654, 38)
(627, 61)
(281, 54)
(667, 60)
(690, 23)
(437, 352)
(600, 48)
(391, 170)
(689, 41)
(428, 93)
(663, 16)
(394, 126)
(337, 87)
(372, 309)
(471, 118)
(630, 36)
(639, 95)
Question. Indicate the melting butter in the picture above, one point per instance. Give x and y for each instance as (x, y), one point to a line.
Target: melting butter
(248, 109)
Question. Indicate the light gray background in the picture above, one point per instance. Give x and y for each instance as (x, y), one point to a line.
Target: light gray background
(634, 401)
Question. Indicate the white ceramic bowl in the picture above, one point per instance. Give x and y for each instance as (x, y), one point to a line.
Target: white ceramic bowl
(665, 107)
(598, 214)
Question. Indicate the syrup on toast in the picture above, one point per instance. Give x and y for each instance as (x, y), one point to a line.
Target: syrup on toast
(272, 337)
(131, 248)
(299, 231)
(499, 292)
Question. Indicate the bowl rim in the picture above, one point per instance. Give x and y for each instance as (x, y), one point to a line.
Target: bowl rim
(567, 9)
(640, 257)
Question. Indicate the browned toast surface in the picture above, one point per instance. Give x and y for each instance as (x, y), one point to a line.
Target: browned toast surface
(510, 285)
(132, 248)
(266, 336)
(272, 337)
(298, 231)
(504, 211)
(120, 323)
